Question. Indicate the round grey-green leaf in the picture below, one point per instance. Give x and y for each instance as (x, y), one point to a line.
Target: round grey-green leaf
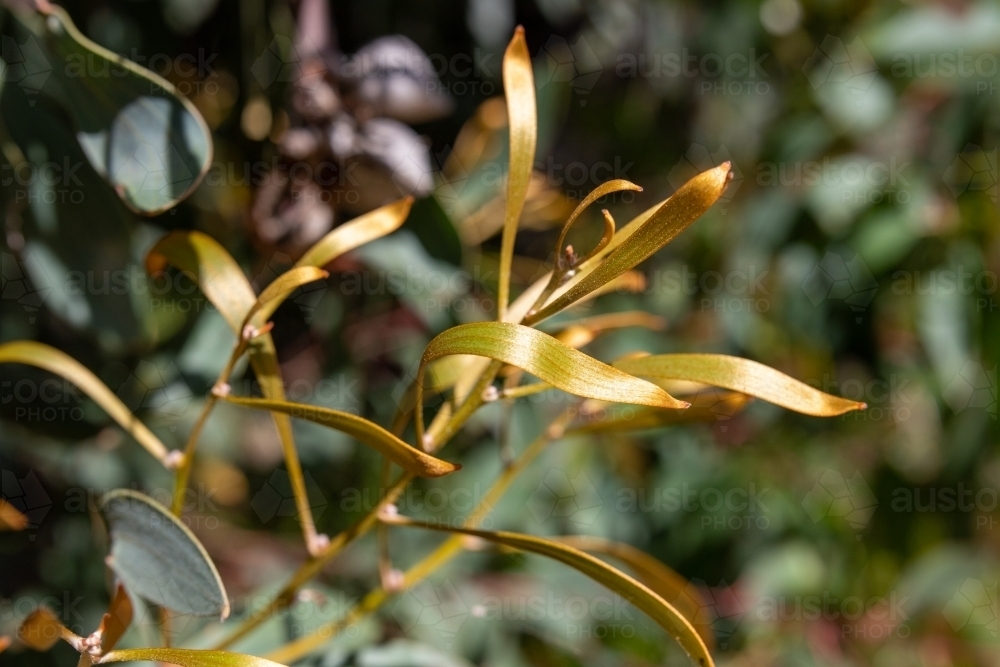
(158, 559)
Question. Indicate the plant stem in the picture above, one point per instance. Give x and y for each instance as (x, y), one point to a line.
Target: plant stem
(437, 558)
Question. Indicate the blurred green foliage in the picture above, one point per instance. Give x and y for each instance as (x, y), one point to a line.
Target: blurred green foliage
(856, 249)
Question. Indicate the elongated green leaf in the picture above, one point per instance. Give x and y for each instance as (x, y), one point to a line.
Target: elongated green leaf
(279, 290)
(357, 232)
(661, 611)
(546, 358)
(157, 558)
(371, 434)
(742, 375)
(186, 657)
(222, 281)
(519, 89)
(662, 579)
(149, 142)
(65, 366)
(680, 210)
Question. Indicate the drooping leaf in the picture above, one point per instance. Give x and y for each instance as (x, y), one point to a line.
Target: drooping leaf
(11, 518)
(546, 358)
(65, 366)
(371, 434)
(157, 558)
(661, 611)
(744, 376)
(655, 574)
(519, 89)
(279, 290)
(357, 232)
(221, 280)
(680, 210)
(148, 141)
(186, 657)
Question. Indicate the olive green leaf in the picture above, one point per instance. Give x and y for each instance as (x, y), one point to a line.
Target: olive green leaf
(186, 657)
(357, 232)
(661, 611)
(676, 214)
(546, 358)
(655, 574)
(50, 359)
(149, 142)
(221, 280)
(742, 375)
(519, 89)
(371, 434)
(157, 558)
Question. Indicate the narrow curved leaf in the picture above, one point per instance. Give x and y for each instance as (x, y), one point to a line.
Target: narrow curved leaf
(357, 232)
(546, 358)
(222, 281)
(661, 611)
(680, 210)
(655, 574)
(371, 434)
(187, 657)
(744, 376)
(157, 558)
(54, 361)
(279, 290)
(148, 141)
(519, 89)
(602, 190)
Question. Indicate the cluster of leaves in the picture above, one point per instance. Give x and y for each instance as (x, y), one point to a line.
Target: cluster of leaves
(157, 561)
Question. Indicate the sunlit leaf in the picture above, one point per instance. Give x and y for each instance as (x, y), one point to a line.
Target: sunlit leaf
(519, 89)
(65, 366)
(221, 280)
(680, 210)
(11, 518)
(661, 611)
(42, 629)
(279, 290)
(149, 142)
(159, 559)
(185, 657)
(744, 376)
(357, 232)
(371, 434)
(583, 331)
(546, 358)
(655, 574)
